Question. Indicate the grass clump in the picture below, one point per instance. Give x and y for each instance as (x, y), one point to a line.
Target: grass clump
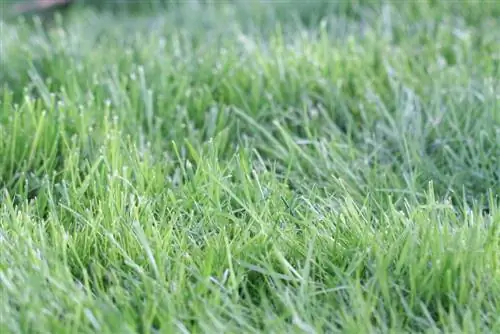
(251, 166)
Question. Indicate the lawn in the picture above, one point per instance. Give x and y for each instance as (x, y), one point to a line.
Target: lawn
(251, 167)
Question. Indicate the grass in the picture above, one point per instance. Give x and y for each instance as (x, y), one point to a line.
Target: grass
(252, 167)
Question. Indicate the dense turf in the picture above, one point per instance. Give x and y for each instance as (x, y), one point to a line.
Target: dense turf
(252, 167)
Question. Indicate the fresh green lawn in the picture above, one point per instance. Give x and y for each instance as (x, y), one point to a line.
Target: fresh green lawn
(244, 166)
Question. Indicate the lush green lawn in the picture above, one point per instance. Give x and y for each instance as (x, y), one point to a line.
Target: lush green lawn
(242, 167)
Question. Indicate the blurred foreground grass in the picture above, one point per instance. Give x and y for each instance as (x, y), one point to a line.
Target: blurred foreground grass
(251, 166)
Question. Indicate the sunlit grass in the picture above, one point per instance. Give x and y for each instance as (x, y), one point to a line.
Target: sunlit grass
(251, 167)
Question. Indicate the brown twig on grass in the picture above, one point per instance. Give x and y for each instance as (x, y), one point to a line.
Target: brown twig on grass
(41, 5)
